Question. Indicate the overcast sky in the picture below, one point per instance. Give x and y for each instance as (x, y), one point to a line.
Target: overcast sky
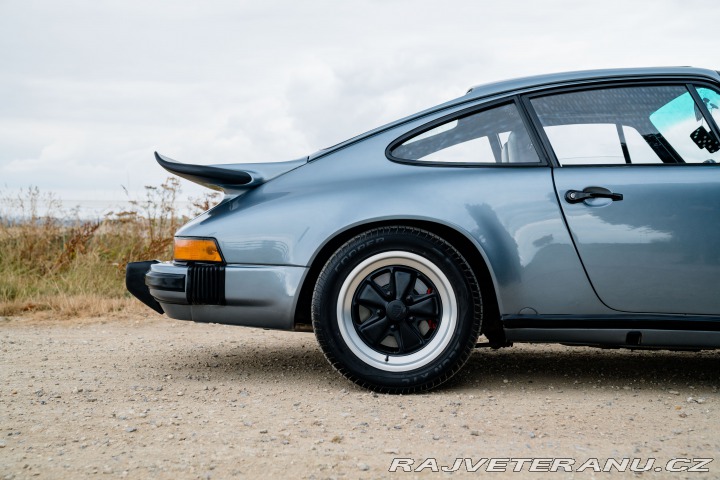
(89, 89)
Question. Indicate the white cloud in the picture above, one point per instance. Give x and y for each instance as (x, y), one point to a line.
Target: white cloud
(90, 89)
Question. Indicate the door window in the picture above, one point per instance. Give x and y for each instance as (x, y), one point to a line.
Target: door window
(630, 125)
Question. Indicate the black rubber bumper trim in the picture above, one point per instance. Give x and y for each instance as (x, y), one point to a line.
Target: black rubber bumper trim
(173, 282)
(135, 283)
(206, 284)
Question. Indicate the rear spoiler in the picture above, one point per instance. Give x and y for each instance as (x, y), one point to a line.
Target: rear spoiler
(229, 178)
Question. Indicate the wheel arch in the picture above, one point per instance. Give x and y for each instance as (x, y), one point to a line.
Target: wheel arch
(461, 241)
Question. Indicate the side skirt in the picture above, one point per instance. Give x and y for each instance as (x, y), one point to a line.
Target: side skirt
(627, 331)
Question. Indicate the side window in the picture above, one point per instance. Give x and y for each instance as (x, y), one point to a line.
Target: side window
(682, 124)
(585, 143)
(631, 125)
(493, 136)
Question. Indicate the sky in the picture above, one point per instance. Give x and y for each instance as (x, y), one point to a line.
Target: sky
(88, 90)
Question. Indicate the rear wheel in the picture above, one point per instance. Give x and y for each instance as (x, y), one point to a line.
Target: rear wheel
(397, 309)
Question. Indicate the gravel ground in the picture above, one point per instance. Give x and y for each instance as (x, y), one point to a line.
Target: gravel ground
(146, 397)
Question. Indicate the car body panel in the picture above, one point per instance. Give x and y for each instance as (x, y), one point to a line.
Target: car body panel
(255, 296)
(510, 214)
(272, 235)
(656, 251)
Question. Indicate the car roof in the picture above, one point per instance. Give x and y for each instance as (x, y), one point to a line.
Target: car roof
(524, 84)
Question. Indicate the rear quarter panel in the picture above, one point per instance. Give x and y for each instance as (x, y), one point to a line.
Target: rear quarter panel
(510, 214)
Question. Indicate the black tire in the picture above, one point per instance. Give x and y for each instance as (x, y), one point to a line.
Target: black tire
(397, 310)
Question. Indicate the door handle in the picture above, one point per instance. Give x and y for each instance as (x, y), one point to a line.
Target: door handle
(576, 196)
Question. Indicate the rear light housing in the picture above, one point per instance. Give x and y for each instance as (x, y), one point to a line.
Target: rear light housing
(193, 249)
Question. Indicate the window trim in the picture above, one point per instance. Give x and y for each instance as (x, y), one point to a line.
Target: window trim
(466, 112)
(690, 84)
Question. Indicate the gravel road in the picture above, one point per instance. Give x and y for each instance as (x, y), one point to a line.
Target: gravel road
(145, 397)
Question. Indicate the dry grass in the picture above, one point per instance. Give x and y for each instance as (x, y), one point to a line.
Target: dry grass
(59, 264)
(69, 306)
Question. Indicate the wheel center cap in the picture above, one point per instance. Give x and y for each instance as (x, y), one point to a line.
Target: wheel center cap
(396, 311)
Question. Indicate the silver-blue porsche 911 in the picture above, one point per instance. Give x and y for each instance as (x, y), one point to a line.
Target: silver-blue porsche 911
(579, 208)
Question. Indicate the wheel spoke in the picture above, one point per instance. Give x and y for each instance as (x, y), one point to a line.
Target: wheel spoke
(424, 305)
(375, 328)
(403, 282)
(371, 296)
(397, 308)
(409, 337)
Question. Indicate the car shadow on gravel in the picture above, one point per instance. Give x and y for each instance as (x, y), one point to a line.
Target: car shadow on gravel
(297, 362)
(302, 362)
(575, 367)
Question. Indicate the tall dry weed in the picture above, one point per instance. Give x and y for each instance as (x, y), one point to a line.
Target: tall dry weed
(51, 260)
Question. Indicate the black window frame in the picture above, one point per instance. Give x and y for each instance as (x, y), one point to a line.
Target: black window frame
(463, 113)
(690, 83)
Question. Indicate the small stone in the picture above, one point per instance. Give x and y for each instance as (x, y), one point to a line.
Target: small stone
(673, 392)
(700, 400)
(2, 443)
(474, 433)
(263, 430)
(394, 451)
(131, 429)
(180, 394)
(532, 434)
(363, 466)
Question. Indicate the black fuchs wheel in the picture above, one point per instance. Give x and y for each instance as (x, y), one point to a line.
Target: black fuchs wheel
(397, 310)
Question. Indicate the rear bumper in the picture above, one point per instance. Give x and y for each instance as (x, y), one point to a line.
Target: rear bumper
(249, 295)
(135, 283)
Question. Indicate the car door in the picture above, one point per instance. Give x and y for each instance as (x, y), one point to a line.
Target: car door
(638, 181)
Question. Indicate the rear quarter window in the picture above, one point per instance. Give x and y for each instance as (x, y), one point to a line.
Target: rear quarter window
(495, 136)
